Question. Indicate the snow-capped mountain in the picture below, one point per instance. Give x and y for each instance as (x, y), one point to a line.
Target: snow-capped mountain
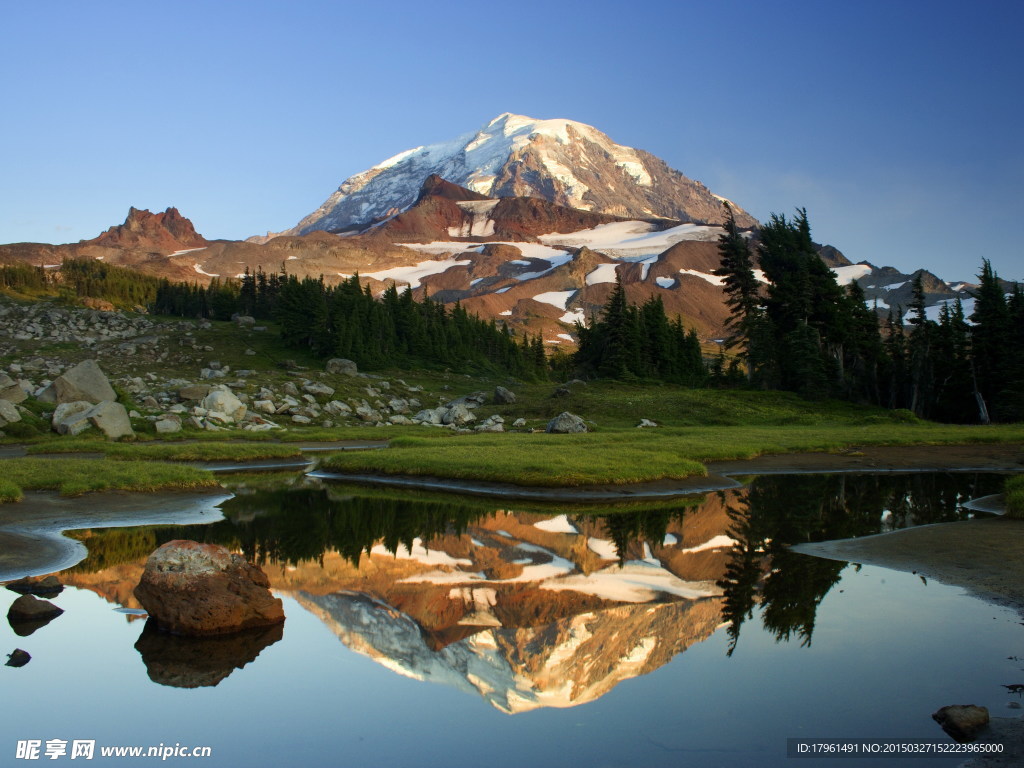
(562, 161)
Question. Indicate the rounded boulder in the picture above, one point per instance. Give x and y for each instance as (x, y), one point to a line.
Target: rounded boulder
(190, 588)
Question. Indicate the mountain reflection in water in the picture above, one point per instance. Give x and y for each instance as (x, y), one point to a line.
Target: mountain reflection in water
(532, 607)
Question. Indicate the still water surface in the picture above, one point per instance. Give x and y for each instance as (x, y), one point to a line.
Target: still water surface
(439, 631)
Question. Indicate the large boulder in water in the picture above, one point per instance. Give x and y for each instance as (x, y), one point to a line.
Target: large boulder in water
(190, 588)
(28, 613)
(962, 721)
(31, 608)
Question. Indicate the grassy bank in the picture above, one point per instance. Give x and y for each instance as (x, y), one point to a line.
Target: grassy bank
(170, 451)
(1015, 497)
(73, 477)
(631, 456)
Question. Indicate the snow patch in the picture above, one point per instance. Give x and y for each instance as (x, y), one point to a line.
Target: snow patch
(559, 524)
(718, 542)
(633, 583)
(665, 282)
(850, 273)
(933, 313)
(420, 554)
(631, 240)
(602, 273)
(574, 316)
(554, 256)
(201, 271)
(713, 279)
(556, 298)
(603, 548)
(414, 274)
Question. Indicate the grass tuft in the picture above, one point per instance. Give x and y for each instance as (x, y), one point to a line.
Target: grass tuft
(1014, 491)
(168, 451)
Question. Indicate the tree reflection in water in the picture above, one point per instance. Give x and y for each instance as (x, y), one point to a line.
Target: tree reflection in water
(788, 509)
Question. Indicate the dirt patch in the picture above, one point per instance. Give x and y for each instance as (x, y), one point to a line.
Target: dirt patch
(985, 557)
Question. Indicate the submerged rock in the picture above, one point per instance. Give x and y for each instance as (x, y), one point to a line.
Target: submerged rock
(190, 588)
(18, 658)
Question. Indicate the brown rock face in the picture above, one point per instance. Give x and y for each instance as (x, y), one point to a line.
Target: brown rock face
(190, 588)
(152, 230)
(962, 721)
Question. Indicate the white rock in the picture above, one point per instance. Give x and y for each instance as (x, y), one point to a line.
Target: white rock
(223, 400)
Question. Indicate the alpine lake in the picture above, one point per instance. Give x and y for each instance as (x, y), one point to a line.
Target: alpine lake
(451, 630)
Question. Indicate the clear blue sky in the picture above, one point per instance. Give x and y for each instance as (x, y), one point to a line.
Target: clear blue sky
(897, 124)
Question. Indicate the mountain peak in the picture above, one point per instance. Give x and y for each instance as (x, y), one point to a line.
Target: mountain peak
(563, 161)
(160, 231)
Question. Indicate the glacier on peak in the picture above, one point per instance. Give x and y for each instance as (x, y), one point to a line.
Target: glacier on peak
(564, 161)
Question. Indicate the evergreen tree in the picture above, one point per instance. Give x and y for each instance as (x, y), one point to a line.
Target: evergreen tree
(991, 318)
(746, 316)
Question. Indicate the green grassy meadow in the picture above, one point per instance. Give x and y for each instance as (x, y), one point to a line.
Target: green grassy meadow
(695, 426)
(73, 477)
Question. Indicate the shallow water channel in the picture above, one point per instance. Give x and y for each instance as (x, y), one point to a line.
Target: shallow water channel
(435, 630)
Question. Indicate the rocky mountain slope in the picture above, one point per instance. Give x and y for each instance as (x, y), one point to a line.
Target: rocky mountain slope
(561, 161)
(535, 265)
